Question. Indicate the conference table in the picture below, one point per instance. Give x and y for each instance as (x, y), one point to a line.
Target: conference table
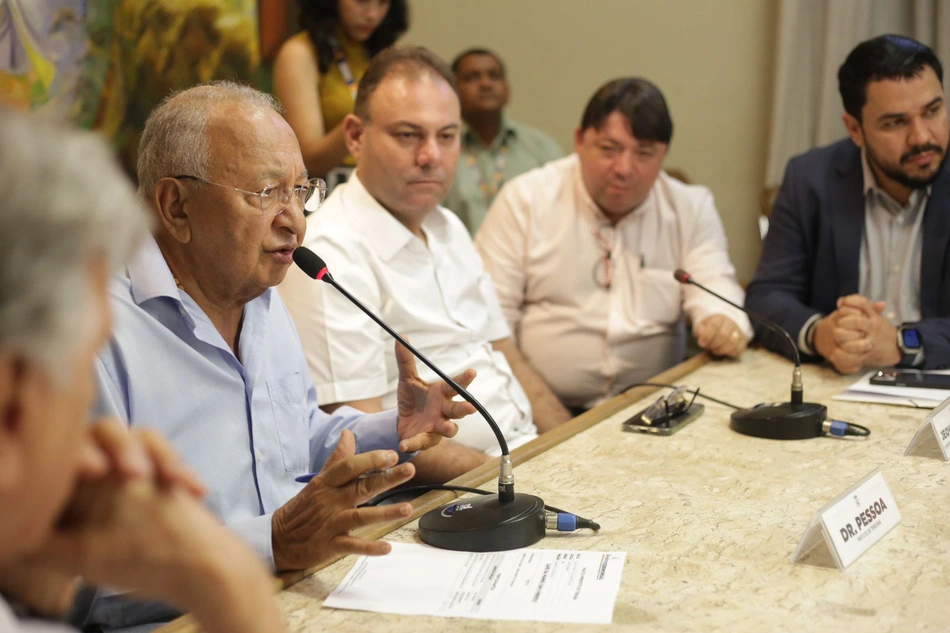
(709, 518)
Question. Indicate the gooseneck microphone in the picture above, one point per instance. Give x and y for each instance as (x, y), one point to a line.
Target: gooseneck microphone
(484, 524)
(793, 420)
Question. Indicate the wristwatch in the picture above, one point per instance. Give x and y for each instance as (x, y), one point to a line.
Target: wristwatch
(909, 344)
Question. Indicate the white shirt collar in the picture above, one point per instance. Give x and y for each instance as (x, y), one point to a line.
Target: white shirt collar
(385, 234)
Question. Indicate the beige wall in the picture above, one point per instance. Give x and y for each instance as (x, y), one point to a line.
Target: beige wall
(711, 58)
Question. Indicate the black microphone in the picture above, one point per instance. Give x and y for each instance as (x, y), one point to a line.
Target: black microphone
(787, 421)
(484, 524)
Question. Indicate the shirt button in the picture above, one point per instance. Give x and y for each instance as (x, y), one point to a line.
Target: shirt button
(260, 455)
(890, 316)
(895, 269)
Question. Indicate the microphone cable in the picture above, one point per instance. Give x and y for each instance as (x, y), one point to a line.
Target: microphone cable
(839, 428)
(563, 521)
(834, 428)
(695, 392)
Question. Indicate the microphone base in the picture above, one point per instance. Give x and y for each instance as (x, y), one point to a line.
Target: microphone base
(484, 524)
(781, 421)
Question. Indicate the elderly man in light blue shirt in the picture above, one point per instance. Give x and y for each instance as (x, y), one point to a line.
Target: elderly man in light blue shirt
(205, 351)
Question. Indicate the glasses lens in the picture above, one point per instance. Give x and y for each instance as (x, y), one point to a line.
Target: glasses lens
(268, 198)
(656, 411)
(313, 194)
(676, 401)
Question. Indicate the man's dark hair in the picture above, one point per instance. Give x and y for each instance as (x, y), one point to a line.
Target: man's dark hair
(639, 101)
(477, 51)
(883, 57)
(413, 62)
(319, 18)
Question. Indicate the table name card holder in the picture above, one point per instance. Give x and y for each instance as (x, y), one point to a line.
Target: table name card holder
(853, 522)
(933, 434)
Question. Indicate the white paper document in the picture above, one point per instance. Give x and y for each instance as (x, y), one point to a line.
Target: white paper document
(864, 391)
(540, 585)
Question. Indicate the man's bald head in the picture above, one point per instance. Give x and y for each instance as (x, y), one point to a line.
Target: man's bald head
(409, 62)
(175, 139)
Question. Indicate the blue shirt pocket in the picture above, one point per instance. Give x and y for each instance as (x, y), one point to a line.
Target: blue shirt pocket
(288, 400)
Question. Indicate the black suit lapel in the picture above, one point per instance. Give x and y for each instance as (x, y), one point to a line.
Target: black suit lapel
(933, 261)
(848, 219)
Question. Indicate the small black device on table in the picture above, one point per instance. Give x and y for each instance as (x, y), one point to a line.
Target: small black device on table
(910, 378)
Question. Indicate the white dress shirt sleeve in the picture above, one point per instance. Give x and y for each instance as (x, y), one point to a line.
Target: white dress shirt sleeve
(706, 258)
(502, 243)
(373, 431)
(496, 326)
(346, 351)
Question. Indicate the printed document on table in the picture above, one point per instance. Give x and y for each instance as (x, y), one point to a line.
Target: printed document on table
(540, 585)
(864, 391)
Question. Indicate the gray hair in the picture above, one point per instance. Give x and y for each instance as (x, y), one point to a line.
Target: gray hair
(65, 202)
(175, 142)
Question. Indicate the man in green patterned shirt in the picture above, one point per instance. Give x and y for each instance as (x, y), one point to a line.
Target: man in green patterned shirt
(494, 148)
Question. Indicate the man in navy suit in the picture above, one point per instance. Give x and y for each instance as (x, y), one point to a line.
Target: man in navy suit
(854, 265)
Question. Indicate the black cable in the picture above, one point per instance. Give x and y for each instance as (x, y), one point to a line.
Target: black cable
(696, 392)
(857, 430)
(581, 521)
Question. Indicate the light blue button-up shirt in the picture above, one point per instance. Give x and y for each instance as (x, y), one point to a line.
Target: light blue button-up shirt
(247, 425)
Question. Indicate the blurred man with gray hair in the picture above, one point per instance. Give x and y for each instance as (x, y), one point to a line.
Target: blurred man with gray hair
(77, 499)
(205, 351)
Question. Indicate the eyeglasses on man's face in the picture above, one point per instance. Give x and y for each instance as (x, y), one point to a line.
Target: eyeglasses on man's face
(310, 195)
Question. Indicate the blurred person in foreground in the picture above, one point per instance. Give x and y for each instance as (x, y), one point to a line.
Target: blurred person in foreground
(81, 500)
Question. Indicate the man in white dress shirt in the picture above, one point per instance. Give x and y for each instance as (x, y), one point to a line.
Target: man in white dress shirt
(386, 239)
(582, 252)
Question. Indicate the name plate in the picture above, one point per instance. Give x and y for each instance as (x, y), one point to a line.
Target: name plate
(853, 522)
(934, 430)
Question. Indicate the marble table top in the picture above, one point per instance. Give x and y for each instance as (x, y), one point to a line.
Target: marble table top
(709, 520)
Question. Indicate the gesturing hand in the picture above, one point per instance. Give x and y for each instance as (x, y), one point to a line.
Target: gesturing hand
(426, 410)
(314, 526)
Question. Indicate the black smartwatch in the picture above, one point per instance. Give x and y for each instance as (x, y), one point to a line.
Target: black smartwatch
(909, 344)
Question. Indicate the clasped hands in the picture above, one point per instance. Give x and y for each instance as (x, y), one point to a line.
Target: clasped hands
(315, 525)
(857, 335)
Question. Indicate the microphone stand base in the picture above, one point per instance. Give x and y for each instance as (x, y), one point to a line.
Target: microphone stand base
(484, 524)
(785, 421)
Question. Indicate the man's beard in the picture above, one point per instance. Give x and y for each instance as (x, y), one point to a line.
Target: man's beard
(899, 176)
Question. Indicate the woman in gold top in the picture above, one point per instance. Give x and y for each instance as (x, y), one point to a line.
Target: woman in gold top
(317, 71)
